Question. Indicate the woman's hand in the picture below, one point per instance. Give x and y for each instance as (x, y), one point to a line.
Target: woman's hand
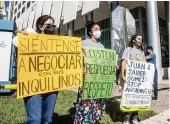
(123, 78)
(22, 32)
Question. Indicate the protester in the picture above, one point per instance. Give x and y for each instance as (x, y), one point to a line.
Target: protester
(90, 111)
(40, 108)
(134, 52)
(151, 58)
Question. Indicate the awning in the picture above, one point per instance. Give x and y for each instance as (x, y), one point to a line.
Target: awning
(59, 10)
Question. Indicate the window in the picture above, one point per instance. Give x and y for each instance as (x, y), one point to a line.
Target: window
(23, 2)
(105, 35)
(162, 23)
(79, 33)
(18, 15)
(134, 12)
(19, 6)
(14, 18)
(137, 27)
(143, 13)
(28, 4)
(15, 11)
(23, 9)
(16, 2)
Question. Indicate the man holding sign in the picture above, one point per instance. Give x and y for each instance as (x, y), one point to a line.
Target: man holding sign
(136, 80)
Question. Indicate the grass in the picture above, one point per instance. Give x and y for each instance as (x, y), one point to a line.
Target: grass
(12, 111)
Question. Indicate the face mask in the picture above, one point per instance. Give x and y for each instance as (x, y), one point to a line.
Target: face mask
(97, 34)
(49, 30)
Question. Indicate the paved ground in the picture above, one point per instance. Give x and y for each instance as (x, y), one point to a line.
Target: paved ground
(160, 106)
(161, 118)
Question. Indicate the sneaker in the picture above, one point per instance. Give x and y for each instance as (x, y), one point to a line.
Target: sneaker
(135, 121)
(155, 98)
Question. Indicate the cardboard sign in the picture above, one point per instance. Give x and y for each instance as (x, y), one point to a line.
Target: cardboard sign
(5, 54)
(138, 87)
(100, 72)
(48, 63)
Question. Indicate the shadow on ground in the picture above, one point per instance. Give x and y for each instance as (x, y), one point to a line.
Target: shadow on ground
(113, 109)
(64, 119)
(166, 88)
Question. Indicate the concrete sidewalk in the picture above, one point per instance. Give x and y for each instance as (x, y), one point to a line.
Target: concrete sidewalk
(161, 118)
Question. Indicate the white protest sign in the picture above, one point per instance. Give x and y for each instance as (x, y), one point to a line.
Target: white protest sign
(5, 54)
(138, 86)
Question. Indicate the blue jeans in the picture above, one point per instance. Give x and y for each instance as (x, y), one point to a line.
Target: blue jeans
(40, 108)
(156, 83)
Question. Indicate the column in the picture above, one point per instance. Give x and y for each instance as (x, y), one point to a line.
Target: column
(70, 27)
(167, 14)
(113, 5)
(89, 17)
(153, 34)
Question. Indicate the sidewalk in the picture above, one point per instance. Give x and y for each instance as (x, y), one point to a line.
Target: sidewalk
(161, 118)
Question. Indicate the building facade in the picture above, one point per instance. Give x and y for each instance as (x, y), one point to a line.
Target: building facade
(25, 13)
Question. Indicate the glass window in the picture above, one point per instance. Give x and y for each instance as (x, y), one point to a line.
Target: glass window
(18, 15)
(145, 28)
(15, 11)
(23, 2)
(164, 50)
(143, 12)
(79, 33)
(15, 18)
(105, 35)
(135, 12)
(28, 4)
(162, 23)
(19, 6)
(137, 27)
(16, 2)
(23, 9)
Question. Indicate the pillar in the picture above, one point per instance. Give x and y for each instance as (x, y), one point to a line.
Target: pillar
(113, 5)
(70, 27)
(153, 34)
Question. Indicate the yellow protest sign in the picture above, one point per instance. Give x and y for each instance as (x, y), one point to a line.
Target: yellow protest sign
(48, 63)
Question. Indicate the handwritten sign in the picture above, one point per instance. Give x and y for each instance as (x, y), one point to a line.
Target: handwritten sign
(100, 76)
(48, 63)
(138, 87)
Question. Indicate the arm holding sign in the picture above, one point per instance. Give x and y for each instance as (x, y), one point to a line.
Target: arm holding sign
(124, 58)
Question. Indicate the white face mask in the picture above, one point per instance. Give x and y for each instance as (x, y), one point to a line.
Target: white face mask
(97, 34)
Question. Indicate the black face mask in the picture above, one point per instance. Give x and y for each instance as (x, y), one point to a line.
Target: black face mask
(49, 29)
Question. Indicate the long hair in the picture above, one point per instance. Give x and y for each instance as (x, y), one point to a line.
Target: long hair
(131, 43)
(41, 20)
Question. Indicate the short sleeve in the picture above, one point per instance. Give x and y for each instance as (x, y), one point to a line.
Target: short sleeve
(84, 43)
(125, 54)
(152, 56)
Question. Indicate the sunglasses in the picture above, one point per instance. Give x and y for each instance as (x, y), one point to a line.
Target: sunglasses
(49, 26)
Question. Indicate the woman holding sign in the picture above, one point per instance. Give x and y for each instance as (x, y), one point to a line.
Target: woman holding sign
(134, 52)
(90, 111)
(40, 108)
